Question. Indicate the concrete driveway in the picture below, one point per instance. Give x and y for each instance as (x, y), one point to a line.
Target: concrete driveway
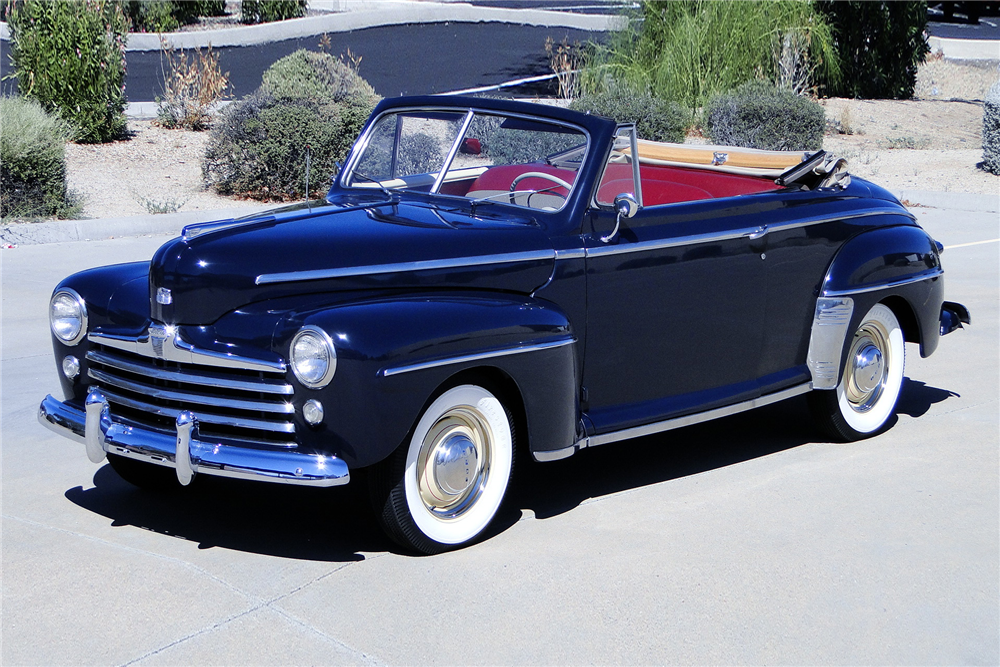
(748, 540)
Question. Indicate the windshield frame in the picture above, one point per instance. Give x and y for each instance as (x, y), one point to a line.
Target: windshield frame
(346, 178)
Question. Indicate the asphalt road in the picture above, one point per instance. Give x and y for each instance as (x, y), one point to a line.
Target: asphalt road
(743, 541)
(397, 60)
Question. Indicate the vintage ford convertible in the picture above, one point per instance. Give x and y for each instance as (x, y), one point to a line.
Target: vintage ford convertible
(489, 278)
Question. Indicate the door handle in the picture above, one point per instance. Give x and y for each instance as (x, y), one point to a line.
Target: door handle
(758, 233)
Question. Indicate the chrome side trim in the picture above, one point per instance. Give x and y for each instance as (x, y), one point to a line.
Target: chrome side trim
(106, 379)
(284, 467)
(687, 420)
(724, 236)
(555, 454)
(264, 385)
(165, 342)
(225, 420)
(926, 275)
(572, 253)
(826, 342)
(424, 265)
(396, 370)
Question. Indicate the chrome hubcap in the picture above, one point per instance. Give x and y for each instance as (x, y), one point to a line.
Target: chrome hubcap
(867, 367)
(453, 463)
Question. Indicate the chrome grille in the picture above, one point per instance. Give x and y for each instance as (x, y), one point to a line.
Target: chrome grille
(230, 404)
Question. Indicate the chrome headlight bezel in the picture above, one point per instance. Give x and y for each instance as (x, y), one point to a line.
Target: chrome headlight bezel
(322, 341)
(72, 298)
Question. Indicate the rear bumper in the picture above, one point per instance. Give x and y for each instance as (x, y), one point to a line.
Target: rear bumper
(185, 452)
(953, 316)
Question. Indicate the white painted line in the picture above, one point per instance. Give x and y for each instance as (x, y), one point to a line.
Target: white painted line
(965, 245)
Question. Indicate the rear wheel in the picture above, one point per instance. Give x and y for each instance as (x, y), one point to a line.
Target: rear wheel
(867, 394)
(443, 487)
(144, 475)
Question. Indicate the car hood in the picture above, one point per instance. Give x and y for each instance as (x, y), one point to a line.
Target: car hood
(214, 269)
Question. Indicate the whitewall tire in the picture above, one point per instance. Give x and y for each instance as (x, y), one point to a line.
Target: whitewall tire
(443, 487)
(872, 381)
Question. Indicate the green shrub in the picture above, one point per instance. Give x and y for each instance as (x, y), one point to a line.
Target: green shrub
(168, 15)
(70, 56)
(310, 75)
(655, 119)
(688, 50)
(257, 147)
(880, 45)
(33, 162)
(265, 11)
(991, 130)
(759, 115)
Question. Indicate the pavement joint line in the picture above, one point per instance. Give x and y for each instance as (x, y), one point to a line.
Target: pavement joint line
(100, 540)
(192, 635)
(333, 640)
(966, 245)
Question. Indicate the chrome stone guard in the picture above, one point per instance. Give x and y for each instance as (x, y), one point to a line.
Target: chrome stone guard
(186, 453)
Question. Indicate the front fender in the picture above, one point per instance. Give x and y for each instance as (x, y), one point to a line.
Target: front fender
(395, 352)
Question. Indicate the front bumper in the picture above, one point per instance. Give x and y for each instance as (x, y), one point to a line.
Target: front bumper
(184, 452)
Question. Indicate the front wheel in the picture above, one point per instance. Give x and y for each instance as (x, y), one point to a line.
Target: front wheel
(442, 488)
(867, 394)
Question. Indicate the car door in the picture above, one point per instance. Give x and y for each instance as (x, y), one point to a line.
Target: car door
(675, 307)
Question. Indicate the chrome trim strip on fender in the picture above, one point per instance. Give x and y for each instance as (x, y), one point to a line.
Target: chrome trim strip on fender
(165, 342)
(826, 342)
(687, 420)
(284, 467)
(424, 265)
(396, 370)
(926, 275)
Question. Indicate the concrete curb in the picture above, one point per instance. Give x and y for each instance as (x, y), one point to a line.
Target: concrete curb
(362, 14)
(63, 231)
(965, 49)
(955, 201)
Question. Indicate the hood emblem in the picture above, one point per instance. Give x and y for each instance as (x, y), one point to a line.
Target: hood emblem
(163, 296)
(157, 335)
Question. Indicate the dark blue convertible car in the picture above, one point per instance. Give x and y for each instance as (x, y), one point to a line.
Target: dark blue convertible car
(489, 279)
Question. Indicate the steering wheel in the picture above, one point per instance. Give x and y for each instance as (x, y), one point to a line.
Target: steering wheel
(539, 174)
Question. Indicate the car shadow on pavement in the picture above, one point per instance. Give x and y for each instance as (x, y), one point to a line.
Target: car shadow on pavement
(338, 525)
(332, 525)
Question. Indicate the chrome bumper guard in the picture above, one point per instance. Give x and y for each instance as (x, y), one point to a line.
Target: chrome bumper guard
(186, 453)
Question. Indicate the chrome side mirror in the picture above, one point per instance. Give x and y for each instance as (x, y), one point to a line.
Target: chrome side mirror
(627, 206)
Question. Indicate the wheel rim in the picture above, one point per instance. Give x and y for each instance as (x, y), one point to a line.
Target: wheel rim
(453, 465)
(867, 366)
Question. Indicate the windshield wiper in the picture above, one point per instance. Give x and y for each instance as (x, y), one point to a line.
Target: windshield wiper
(365, 177)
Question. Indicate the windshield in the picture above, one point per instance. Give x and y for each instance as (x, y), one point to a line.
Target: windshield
(483, 157)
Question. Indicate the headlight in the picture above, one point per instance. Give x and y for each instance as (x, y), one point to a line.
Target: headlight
(314, 360)
(68, 316)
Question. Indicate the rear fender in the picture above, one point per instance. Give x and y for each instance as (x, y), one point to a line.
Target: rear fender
(899, 266)
(395, 353)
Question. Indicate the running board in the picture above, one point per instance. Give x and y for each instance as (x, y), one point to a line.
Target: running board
(669, 424)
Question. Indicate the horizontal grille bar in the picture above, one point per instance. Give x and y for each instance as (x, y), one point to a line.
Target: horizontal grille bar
(204, 378)
(106, 379)
(277, 427)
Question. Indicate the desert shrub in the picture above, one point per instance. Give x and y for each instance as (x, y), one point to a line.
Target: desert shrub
(311, 75)
(70, 56)
(655, 119)
(265, 11)
(880, 45)
(33, 162)
(760, 115)
(257, 148)
(192, 89)
(688, 50)
(991, 130)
